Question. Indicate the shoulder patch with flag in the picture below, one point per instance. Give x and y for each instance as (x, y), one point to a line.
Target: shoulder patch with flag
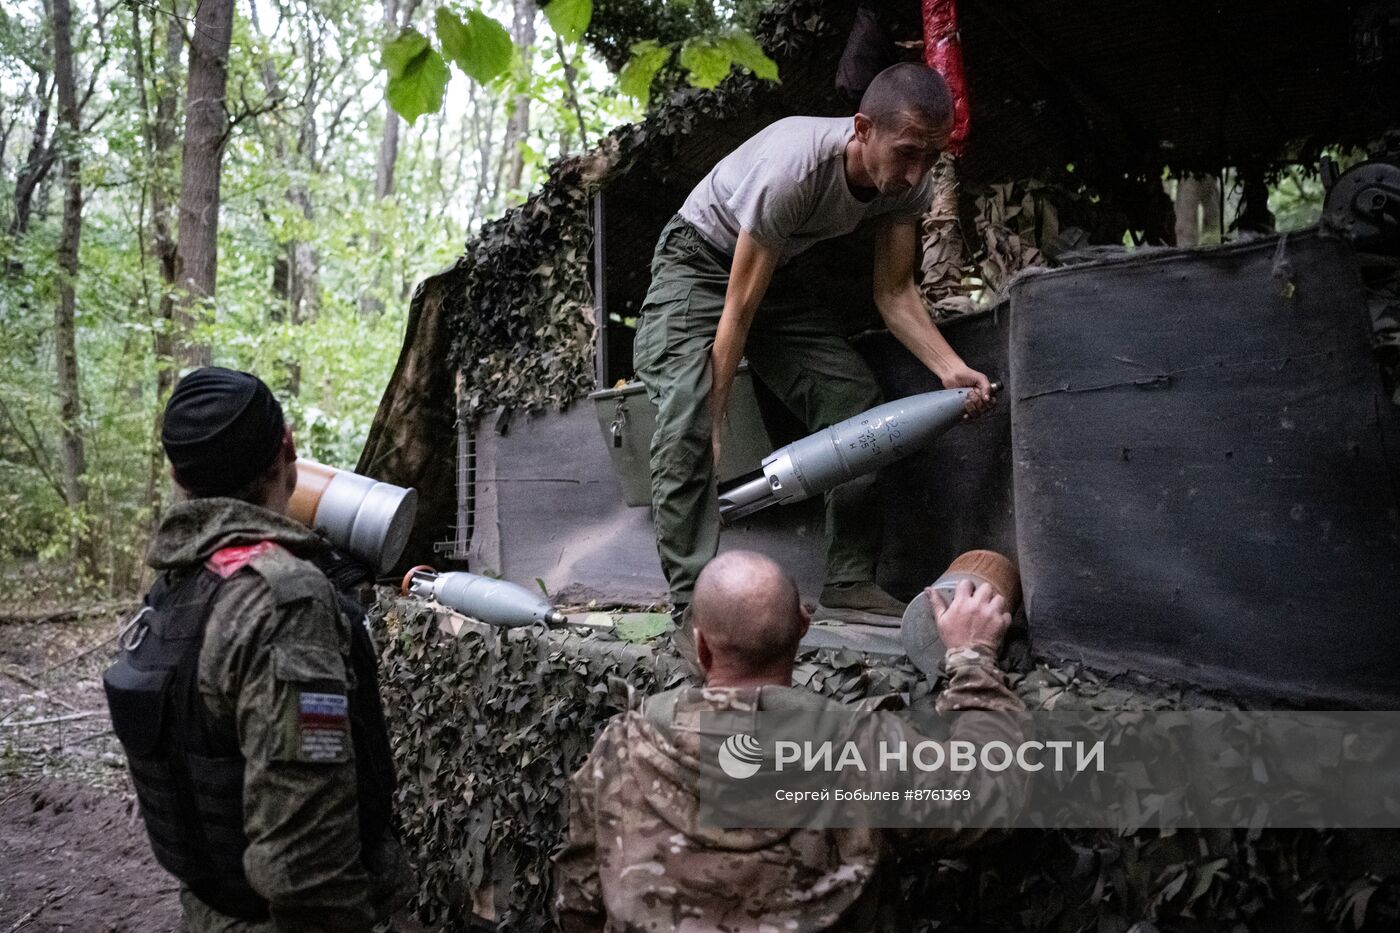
(323, 726)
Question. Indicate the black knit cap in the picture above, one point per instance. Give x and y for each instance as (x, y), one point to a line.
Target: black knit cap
(222, 430)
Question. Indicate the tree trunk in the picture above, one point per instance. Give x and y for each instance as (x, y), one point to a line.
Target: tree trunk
(64, 325)
(518, 126)
(163, 135)
(306, 267)
(162, 138)
(388, 155)
(1254, 216)
(206, 131)
(389, 142)
(370, 303)
(1197, 210)
(36, 166)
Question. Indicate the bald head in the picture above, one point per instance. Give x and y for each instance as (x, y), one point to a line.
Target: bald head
(748, 612)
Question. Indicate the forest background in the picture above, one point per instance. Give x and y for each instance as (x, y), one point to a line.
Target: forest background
(144, 231)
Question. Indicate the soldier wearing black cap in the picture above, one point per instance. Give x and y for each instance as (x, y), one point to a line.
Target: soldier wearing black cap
(246, 701)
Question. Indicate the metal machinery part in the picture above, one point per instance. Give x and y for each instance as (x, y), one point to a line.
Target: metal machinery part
(1363, 204)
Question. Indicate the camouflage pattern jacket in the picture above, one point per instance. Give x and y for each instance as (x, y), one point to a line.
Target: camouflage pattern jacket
(269, 632)
(637, 858)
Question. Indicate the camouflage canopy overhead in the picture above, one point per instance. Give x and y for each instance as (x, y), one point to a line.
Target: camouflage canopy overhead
(1098, 95)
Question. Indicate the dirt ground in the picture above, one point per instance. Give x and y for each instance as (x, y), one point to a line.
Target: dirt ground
(76, 858)
(73, 851)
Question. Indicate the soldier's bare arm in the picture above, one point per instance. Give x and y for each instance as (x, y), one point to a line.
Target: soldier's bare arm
(901, 305)
(749, 277)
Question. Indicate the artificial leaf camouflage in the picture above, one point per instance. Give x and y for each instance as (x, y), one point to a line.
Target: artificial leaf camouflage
(489, 724)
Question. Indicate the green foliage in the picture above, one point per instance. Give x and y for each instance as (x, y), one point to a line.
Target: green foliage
(569, 18)
(745, 52)
(708, 59)
(298, 180)
(481, 47)
(619, 24)
(647, 59)
(417, 74)
(705, 63)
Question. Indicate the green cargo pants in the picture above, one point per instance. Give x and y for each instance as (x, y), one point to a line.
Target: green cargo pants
(795, 348)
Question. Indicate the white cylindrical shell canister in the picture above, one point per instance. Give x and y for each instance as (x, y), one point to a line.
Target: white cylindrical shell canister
(369, 519)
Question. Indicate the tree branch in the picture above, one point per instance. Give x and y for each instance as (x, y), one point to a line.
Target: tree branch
(34, 454)
(573, 94)
(247, 111)
(334, 126)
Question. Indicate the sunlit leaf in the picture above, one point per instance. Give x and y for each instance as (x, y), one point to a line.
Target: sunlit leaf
(705, 61)
(481, 47)
(569, 18)
(745, 51)
(647, 59)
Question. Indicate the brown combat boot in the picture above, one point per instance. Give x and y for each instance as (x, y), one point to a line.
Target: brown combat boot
(864, 603)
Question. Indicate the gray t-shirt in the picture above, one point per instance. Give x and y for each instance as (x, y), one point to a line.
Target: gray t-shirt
(786, 185)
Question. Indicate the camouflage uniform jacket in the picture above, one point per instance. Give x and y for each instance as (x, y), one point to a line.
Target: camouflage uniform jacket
(269, 632)
(638, 859)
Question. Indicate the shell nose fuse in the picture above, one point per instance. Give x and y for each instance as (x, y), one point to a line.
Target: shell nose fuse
(851, 448)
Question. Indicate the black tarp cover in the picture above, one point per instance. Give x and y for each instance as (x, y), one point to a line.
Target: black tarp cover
(1205, 470)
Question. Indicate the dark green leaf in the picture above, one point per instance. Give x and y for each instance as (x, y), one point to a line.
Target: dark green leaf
(417, 75)
(401, 51)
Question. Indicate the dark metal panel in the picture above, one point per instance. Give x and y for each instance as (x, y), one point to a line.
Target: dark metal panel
(557, 514)
(1205, 470)
(956, 495)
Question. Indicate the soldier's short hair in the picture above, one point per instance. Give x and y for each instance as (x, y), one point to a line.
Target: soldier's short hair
(908, 90)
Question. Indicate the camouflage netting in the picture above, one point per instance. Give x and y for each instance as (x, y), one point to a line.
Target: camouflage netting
(1010, 220)
(488, 724)
(520, 299)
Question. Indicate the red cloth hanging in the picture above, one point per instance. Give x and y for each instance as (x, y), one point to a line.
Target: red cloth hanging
(943, 53)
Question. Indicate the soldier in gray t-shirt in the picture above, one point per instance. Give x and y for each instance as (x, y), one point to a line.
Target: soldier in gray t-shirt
(787, 187)
(799, 181)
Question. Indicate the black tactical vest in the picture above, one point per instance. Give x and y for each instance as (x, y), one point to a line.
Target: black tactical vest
(186, 765)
